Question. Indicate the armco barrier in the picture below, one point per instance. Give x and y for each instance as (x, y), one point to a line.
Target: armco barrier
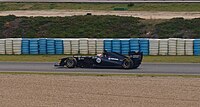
(171, 46)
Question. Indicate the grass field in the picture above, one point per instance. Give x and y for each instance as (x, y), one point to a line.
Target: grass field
(55, 58)
(100, 6)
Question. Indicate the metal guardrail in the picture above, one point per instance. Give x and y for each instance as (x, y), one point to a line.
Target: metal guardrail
(107, 1)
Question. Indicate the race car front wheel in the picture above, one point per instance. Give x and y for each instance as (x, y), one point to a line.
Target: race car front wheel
(127, 63)
(70, 62)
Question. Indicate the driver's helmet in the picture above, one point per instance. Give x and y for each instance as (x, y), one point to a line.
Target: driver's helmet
(99, 55)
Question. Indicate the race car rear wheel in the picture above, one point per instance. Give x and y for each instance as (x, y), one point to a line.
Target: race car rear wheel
(127, 63)
(70, 62)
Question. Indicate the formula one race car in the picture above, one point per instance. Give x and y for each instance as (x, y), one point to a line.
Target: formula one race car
(104, 60)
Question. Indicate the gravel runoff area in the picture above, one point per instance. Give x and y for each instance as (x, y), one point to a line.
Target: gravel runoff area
(96, 91)
(141, 14)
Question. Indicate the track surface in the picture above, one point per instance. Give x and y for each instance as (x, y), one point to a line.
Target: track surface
(146, 68)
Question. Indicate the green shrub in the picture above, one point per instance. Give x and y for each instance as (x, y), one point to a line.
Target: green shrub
(77, 26)
(90, 26)
(179, 28)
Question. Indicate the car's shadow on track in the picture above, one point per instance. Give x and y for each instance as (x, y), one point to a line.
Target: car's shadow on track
(104, 68)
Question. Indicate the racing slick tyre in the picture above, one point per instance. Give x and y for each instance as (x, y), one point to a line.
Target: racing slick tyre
(70, 62)
(127, 63)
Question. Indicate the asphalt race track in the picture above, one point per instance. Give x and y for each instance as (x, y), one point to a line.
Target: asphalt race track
(145, 68)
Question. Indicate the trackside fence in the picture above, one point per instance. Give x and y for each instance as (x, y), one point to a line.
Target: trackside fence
(85, 46)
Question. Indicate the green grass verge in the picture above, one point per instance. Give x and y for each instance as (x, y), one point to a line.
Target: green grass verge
(55, 58)
(101, 75)
(30, 58)
(172, 59)
(101, 6)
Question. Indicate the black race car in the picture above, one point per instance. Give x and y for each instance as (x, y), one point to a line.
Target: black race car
(104, 60)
